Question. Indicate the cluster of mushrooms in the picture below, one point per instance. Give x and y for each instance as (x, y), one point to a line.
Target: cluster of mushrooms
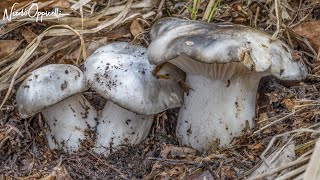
(221, 66)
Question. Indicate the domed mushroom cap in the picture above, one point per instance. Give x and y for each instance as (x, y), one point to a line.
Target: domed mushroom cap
(121, 73)
(47, 86)
(213, 43)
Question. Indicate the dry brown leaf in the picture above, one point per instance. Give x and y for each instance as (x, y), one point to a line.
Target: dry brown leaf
(311, 31)
(118, 33)
(94, 45)
(7, 47)
(136, 28)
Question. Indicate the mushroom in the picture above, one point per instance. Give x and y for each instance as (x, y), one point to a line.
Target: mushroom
(121, 73)
(55, 91)
(223, 65)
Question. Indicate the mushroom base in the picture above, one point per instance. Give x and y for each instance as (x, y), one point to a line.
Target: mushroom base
(119, 126)
(216, 111)
(68, 120)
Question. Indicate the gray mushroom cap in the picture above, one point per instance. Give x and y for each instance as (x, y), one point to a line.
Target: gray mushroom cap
(121, 73)
(48, 85)
(214, 43)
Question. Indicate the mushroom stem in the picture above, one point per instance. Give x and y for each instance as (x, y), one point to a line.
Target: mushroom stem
(119, 126)
(216, 110)
(68, 122)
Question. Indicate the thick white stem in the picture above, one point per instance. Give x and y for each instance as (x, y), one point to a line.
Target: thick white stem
(68, 120)
(119, 126)
(216, 111)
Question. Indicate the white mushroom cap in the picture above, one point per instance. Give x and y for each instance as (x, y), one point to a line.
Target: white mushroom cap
(47, 86)
(223, 65)
(213, 43)
(120, 72)
(55, 91)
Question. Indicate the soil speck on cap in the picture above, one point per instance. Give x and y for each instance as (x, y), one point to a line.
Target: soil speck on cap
(64, 85)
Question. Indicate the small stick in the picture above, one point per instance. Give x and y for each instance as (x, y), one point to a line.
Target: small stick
(172, 161)
(274, 122)
(256, 16)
